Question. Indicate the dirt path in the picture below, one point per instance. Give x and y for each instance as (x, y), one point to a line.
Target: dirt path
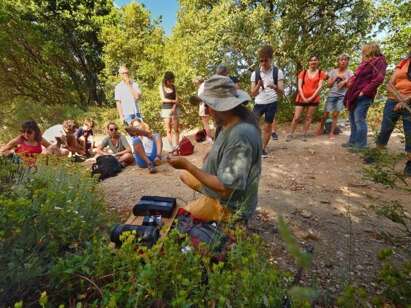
(318, 187)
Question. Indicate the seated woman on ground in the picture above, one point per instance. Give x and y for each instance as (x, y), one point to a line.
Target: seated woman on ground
(28, 145)
(147, 146)
(64, 138)
(84, 136)
(117, 146)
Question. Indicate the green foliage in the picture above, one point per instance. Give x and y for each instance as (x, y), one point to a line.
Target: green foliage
(353, 296)
(383, 167)
(45, 214)
(395, 212)
(165, 275)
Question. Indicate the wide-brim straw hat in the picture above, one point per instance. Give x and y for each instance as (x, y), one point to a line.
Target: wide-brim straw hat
(221, 94)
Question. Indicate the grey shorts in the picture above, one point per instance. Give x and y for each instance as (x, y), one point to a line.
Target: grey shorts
(334, 104)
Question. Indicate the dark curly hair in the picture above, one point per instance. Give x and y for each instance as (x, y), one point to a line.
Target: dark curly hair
(31, 125)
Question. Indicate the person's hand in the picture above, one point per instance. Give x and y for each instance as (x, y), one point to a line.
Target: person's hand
(272, 86)
(260, 84)
(178, 162)
(361, 94)
(399, 106)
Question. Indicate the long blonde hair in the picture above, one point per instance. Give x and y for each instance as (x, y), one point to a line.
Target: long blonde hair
(371, 50)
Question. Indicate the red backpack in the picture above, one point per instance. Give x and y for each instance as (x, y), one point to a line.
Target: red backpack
(184, 148)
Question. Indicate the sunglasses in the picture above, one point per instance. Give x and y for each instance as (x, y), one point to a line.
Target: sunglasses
(113, 129)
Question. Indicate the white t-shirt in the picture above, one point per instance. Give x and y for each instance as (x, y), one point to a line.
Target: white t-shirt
(267, 95)
(54, 131)
(123, 94)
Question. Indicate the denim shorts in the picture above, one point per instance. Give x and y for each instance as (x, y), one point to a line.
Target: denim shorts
(268, 110)
(334, 104)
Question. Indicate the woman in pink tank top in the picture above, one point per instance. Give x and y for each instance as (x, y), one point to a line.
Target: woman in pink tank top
(28, 145)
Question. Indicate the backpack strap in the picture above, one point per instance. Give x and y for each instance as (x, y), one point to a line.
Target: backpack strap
(257, 75)
(275, 75)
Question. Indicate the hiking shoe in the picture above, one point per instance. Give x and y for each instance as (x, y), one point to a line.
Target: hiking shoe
(289, 138)
(264, 154)
(274, 136)
(151, 168)
(347, 145)
(407, 169)
(368, 159)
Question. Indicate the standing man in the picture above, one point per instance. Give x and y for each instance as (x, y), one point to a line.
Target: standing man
(127, 93)
(266, 84)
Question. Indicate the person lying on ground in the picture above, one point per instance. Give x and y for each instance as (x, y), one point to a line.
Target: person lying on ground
(28, 145)
(147, 145)
(85, 136)
(398, 105)
(63, 136)
(116, 144)
(231, 172)
(337, 82)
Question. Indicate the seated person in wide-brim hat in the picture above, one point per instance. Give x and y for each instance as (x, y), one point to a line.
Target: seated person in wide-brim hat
(231, 172)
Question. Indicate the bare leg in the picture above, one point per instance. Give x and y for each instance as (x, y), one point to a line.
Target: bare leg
(167, 126)
(309, 118)
(176, 127)
(334, 124)
(159, 145)
(297, 114)
(266, 134)
(126, 159)
(274, 127)
(320, 129)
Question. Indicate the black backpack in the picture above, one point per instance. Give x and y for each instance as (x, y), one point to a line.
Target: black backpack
(275, 75)
(107, 166)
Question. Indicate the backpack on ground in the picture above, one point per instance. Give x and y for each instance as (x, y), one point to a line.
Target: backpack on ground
(275, 75)
(107, 166)
(200, 136)
(206, 237)
(184, 148)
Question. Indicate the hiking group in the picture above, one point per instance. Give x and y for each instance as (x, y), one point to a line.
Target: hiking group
(229, 178)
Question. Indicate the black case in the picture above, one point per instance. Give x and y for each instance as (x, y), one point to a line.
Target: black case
(154, 205)
(146, 235)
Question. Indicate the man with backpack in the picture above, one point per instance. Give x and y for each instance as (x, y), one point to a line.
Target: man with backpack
(116, 144)
(266, 85)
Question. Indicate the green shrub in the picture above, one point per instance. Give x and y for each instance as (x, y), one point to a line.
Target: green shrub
(45, 214)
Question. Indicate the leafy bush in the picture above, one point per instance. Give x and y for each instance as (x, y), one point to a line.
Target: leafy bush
(45, 214)
(164, 274)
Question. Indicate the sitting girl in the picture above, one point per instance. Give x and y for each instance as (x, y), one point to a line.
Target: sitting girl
(147, 146)
(28, 145)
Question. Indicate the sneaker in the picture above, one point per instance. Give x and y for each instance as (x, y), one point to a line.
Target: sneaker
(347, 145)
(368, 160)
(407, 169)
(274, 136)
(151, 168)
(289, 138)
(264, 154)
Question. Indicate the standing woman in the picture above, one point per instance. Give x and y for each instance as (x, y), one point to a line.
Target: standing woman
(362, 88)
(309, 85)
(170, 109)
(203, 109)
(398, 105)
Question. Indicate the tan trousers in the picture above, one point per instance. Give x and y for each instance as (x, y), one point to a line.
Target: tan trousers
(204, 208)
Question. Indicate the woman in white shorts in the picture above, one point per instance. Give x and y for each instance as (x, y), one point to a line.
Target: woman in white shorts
(170, 110)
